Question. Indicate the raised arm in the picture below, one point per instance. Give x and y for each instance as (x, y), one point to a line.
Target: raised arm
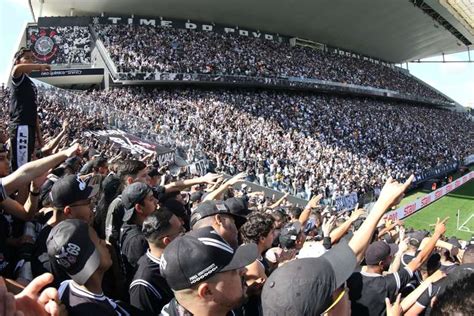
(277, 203)
(235, 179)
(313, 203)
(411, 299)
(340, 231)
(31, 170)
(426, 251)
(209, 178)
(20, 69)
(391, 194)
(49, 147)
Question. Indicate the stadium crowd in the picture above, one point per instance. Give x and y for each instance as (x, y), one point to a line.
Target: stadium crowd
(303, 144)
(109, 232)
(138, 50)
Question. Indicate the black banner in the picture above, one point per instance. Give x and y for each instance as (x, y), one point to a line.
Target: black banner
(68, 72)
(64, 21)
(190, 25)
(133, 144)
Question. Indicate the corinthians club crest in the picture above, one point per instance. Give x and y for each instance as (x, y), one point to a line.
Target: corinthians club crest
(44, 43)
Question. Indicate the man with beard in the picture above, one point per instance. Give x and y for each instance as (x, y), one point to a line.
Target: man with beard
(205, 274)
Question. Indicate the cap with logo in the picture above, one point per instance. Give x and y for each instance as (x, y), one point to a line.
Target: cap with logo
(289, 234)
(305, 286)
(200, 254)
(71, 248)
(70, 189)
(210, 208)
(131, 195)
(379, 251)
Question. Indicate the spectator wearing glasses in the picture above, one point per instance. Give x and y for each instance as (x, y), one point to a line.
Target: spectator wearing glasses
(71, 199)
(149, 290)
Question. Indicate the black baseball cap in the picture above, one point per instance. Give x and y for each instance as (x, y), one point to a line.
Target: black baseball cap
(131, 195)
(379, 251)
(238, 206)
(71, 248)
(305, 286)
(209, 208)
(289, 234)
(199, 255)
(70, 189)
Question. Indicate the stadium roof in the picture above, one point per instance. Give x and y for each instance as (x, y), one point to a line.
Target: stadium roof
(391, 30)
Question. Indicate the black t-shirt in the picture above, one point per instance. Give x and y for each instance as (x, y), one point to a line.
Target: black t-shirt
(174, 309)
(415, 280)
(5, 266)
(367, 291)
(81, 302)
(425, 299)
(40, 260)
(23, 108)
(133, 246)
(149, 291)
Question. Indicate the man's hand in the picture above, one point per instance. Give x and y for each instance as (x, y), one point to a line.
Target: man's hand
(73, 150)
(393, 192)
(358, 212)
(237, 178)
(328, 225)
(314, 202)
(65, 125)
(403, 245)
(395, 309)
(440, 227)
(210, 178)
(33, 302)
(45, 67)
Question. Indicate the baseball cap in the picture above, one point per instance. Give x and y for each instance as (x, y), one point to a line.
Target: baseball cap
(239, 207)
(196, 196)
(305, 286)
(379, 251)
(70, 246)
(131, 195)
(70, 189)
(289, 235)
(209, 208)
(199, 255)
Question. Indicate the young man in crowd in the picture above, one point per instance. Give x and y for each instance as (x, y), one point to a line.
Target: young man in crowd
(71, 199)
(139, 202)
(74, 247)
(217, 215)
(24, 124)
(205, 274)
(258, 230)
(149, 291)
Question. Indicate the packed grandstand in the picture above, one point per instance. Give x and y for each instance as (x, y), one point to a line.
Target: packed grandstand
(136, 194)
